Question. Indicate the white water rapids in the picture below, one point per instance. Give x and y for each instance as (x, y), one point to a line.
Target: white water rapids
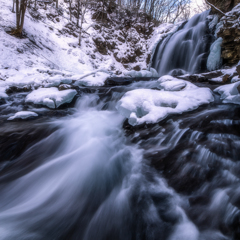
(88, 188)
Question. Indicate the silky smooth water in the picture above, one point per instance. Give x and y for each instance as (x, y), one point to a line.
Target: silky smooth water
(184, 51)
(96, 177)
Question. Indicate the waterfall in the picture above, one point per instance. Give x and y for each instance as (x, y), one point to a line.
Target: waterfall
(186, 50)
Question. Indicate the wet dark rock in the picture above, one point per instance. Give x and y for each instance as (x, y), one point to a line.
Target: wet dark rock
(64, 87)
(14, 89)
(2, 101)
(116, 81)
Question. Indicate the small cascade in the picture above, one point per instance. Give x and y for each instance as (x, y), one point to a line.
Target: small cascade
(186, 50)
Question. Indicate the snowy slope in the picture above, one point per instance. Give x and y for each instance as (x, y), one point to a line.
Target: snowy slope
(50, 47)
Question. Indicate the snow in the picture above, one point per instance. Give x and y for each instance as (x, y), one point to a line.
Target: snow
(151, 106)
(173, 85)
(51, 97)
(23, 115)
(214, 58)
(2, 92)
(143, 73)
(213, 22)
(235, 79)
(95, 78)
(229, 93)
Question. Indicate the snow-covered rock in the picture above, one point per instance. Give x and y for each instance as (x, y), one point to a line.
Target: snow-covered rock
(2, 92)
(173, 85)
(235, 79)
(229, 93)
(142, 73)
(151, 106)
(214, 58)
(23, 115)
(51, 97)
(56, 81)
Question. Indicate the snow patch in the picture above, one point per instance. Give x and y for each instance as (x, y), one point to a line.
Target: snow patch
(23, 115)
(229, 93)
(51, 97)
(151, 106)
(235, 79)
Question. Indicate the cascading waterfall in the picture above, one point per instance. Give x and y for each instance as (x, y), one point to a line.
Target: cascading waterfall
(186, 50)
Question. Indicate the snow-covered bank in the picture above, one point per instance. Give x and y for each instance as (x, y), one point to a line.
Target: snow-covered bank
(48, 54)
(151, 106)
(230, 93)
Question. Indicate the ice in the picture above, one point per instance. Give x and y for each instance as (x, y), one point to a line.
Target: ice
(151, 106)
(142, 73)
(23, 115)
(229, 93)
(214, 58)
(214, 22)
(51, 97)
(235, 79)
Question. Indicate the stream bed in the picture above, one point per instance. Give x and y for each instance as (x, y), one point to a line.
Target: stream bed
(82, 172)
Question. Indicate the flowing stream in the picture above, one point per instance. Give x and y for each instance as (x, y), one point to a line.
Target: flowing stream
(96, 177)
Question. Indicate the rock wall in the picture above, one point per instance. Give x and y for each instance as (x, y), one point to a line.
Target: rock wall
(224, 5)
(230, 32)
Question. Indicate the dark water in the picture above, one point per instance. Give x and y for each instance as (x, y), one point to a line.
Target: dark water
(84, 173)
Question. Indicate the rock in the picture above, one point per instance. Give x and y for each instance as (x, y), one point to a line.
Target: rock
(212, 74)
(227, 54)
(223, 5)
(64, 87)
(238, 88)
(238, 70)
(101, 45)
(226, 78)
(137, 68)
(229, 32)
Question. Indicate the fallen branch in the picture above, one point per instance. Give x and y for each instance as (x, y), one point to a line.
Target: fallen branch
(215, 8)
(92, 73)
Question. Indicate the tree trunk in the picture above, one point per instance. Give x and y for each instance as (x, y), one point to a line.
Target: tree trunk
(78, 12)
(70, 9)
(21, 6)
(13, 6)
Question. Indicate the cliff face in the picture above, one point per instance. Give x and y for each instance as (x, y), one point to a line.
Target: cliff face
(224, 5)
(230, 32)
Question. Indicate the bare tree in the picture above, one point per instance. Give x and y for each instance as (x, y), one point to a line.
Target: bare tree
(70, 9)
(13, 6)
(83, 6)
(21, 6)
